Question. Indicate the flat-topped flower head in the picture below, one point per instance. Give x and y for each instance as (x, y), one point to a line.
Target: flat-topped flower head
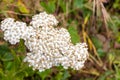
(43, 20)
(7, 24)
(48, 46)
(15, 30)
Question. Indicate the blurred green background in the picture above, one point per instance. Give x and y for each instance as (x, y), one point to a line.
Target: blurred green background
(96, 22)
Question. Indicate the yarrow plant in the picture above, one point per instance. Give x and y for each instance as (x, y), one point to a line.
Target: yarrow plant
(48, 46)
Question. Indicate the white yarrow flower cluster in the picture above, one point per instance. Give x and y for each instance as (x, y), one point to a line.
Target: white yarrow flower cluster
(43, 20)
(48, 46)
